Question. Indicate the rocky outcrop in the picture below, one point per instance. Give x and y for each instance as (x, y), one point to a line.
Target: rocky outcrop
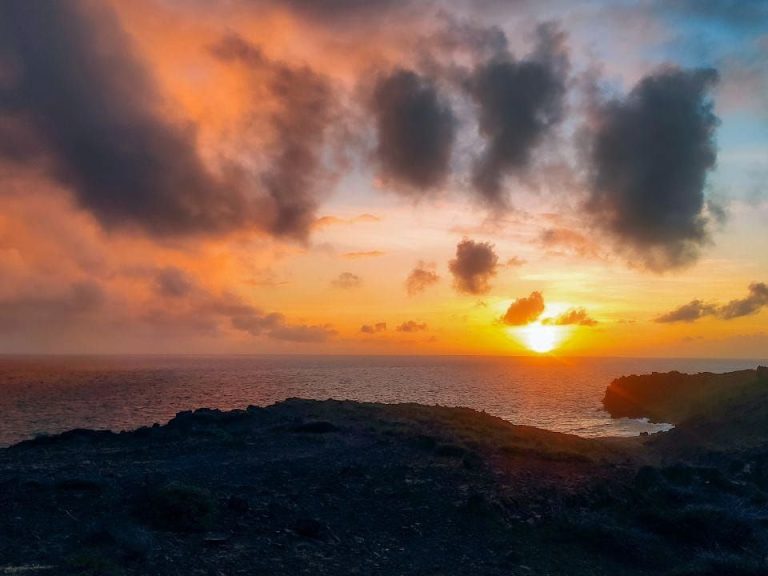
(341, 488)
(675, 397)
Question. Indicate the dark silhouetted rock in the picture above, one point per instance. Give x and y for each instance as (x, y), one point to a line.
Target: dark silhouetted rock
(316, 428)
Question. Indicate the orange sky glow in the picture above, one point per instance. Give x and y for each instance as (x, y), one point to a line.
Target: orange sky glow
(332, 247)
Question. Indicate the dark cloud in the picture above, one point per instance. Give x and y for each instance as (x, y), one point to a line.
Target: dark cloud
(574, 316)
(519, 102)
(52, 312)
(524, 310)
(474, 266)
(416, 130)
(650, 154)
(421, 277)
(87, 110)
(690, 312)
(173, 282)
(412, 326)
(302, 121)
(347, 281)
(250, 319)
(465, 39)
(373, 328)
(751, 304)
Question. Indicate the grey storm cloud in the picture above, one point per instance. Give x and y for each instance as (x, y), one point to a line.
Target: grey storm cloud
(416, 131)
(572, 317)
(524, 310)
(650, 154)
(756, 300)
(421, 277)
(303, 120)
(476, 263)
(519, 102)
(82, 105)
(76, 100)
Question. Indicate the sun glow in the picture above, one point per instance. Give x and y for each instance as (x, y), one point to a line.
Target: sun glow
(540, 338)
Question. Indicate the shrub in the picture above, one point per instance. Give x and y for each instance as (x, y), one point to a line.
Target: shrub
(178, 508)
(92, 563)
(701, 526)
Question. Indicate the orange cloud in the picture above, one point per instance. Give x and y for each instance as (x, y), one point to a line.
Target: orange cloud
(524, 310)
(577, 316)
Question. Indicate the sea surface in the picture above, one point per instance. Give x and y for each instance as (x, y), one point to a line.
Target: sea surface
(50, 394)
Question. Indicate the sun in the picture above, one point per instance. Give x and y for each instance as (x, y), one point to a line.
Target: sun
(540, 338)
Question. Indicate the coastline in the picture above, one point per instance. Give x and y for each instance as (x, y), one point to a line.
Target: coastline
(127, 393)
(341, 487)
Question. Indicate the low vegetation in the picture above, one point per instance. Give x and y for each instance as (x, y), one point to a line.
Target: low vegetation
(342, 488)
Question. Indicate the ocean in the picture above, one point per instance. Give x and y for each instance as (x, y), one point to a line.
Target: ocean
(51, 394)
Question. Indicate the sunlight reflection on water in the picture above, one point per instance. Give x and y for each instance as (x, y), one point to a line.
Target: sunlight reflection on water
(53, 394)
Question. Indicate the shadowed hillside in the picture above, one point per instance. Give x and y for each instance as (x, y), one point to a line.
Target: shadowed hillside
(708, 410)
(348, 488)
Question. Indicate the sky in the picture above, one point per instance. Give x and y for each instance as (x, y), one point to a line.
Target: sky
(384, 177)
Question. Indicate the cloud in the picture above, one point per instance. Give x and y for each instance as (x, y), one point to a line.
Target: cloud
(347, 281)
(363, 254)
(574, 316)
(751, 304)
(515, 262)
(247, 318)
(571, 241)
(85, 110)
(373, 328)
(302, 334)
(421, 277)
(343, 12)
(266, 278)
(302, 122)
(364, 218)
(173, 282)
(524, 310)
(51, 312)
(690, 312)
(326, 221)
(473, 268)
(416, 130)
(650, 154)
(519, 102)
(412, 326)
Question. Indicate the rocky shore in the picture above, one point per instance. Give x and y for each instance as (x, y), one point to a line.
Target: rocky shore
(308, 487)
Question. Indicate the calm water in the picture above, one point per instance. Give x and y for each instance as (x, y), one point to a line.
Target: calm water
(51, 394)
